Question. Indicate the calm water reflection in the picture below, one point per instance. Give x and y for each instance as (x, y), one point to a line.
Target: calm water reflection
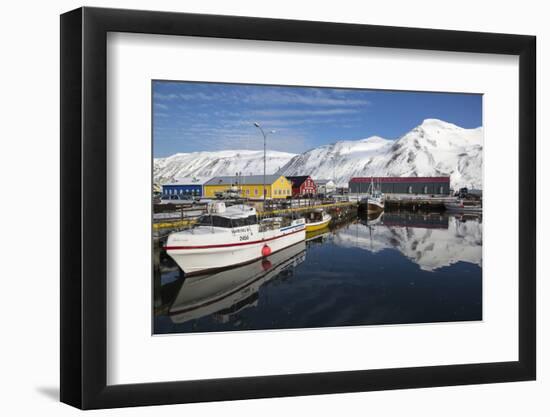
(397, 268)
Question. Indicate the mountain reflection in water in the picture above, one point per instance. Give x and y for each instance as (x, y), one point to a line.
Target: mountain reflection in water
(390, 269)
(430, 240)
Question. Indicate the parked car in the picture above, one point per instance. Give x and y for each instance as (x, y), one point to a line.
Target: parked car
(176, 199)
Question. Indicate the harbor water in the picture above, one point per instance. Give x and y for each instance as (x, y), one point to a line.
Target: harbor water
(395, 268)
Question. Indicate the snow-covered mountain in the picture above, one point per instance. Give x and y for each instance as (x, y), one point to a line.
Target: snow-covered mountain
(211, 164)
(434, 148)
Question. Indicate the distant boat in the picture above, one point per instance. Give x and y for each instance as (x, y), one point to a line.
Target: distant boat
(464, 206)
(374, 200)
(230, 236)
(317, 220)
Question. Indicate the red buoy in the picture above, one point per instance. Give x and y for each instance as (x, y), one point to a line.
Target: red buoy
(266, 251)
(266, 264)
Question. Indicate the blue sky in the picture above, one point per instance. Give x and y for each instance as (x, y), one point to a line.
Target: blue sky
(191, 116)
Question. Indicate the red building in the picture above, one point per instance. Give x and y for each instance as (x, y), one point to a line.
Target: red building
(302, 186)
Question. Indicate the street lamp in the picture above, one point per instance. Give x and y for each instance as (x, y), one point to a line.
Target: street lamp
(265, 136)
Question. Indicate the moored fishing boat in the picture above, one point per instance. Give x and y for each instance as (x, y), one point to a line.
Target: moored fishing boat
(318, 219)
(230, 236)
(373, 202)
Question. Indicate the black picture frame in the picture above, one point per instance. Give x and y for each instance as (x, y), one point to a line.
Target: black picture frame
(84, 207)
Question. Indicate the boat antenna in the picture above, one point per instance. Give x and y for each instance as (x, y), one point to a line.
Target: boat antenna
(211, 223)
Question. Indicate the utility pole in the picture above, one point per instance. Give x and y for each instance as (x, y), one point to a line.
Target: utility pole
(265, 140)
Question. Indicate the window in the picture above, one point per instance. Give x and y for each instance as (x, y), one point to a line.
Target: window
(410, 189)
(441, 190)
(216, 221)
(245, 221)
(255, 191)
(425, 189)
(238, 222)
(247, 191)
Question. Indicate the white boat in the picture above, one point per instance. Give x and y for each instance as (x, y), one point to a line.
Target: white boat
(230, 236)
(464, 206)
(227, 292)
(374, 200)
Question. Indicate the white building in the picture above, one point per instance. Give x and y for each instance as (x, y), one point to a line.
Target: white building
(325, 187)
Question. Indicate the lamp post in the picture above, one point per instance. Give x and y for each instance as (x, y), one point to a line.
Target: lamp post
(265, 137)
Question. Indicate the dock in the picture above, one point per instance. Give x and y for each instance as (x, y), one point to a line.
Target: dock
(186, 217)
(413, 203)
(167, 219)
(306, 208)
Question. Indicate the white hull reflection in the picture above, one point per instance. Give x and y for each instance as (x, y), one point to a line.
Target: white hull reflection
(228, 290)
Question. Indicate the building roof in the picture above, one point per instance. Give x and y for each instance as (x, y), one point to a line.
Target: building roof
(400, 179)
(297, 181)
(243, 180)
(187, 181)
(322, 182)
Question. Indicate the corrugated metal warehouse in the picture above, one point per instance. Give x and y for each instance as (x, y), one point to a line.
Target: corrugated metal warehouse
(402, 185)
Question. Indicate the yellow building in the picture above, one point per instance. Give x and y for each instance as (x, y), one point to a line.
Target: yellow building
(276, 186)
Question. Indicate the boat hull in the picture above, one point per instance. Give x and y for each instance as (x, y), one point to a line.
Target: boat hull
(314, 226)
(374, 207)
(371, 206)
(200, 259)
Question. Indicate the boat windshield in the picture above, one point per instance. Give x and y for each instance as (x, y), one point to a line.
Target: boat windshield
(220, 221)
(315, 216)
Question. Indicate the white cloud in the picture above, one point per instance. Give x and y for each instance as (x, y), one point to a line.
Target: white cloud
(313, 97)
(160, 96)
(304, 112)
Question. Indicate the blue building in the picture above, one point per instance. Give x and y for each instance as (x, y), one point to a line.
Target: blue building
(192, 187)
